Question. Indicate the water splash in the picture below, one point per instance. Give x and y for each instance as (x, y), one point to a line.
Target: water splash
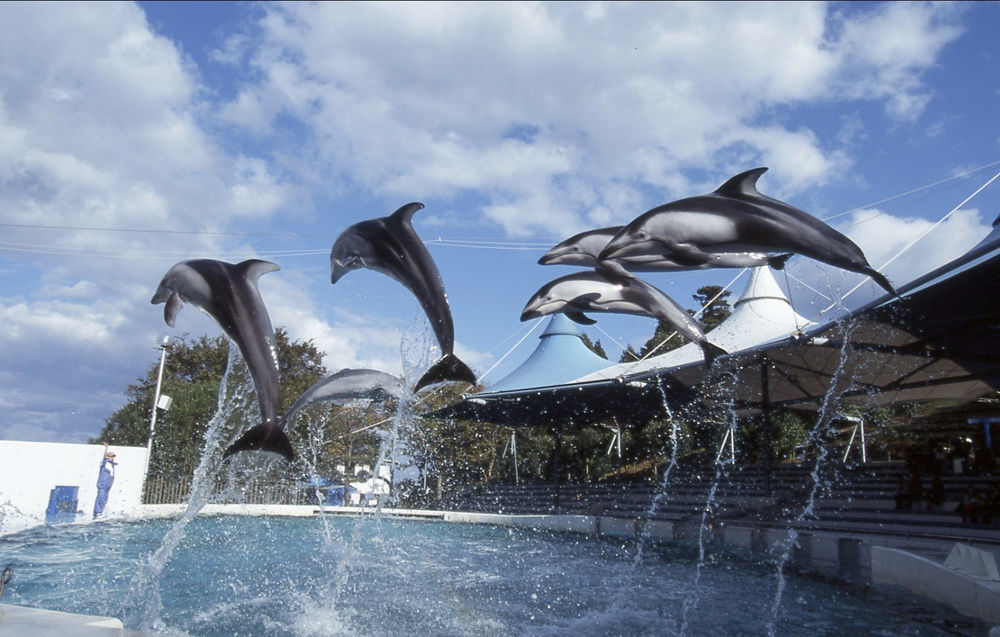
(143, 606)
(661, 495)
(825, 416)
(693, 595)
(326, 611)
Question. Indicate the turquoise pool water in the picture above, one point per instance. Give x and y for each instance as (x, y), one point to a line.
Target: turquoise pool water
(234, 575)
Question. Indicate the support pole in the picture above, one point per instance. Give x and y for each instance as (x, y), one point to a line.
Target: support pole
(725, 439)
(859, 427)
(732, 445)
(766, 424)
(864, 453)
(616, 441)
(850, 442)
(513, 448)
(156, 401)
(512, 445)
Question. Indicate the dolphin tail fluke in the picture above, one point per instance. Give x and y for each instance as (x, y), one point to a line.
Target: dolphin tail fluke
(879, 278)
(778, 262)
(266, 437)
(712, 352)
(450, 367)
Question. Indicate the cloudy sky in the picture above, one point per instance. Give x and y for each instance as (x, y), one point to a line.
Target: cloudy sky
(133, 136)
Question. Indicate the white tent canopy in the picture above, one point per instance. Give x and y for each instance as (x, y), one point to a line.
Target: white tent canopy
(761, 314)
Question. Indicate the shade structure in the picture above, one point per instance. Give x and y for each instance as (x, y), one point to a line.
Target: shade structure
(561, 357)
(939, 340)
(761, 314)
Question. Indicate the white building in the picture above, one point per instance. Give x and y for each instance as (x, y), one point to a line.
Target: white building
(30, 470)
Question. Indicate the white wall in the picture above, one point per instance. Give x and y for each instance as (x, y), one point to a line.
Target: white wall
(29, 470)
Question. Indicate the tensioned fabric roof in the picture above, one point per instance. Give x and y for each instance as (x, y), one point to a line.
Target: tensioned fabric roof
(939, 340)
(560, 357)
(761, 314)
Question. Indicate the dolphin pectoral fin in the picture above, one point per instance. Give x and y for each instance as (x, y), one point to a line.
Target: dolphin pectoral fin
(173, 306)
(265, 437)
(449, 367)
(580, 317)
(778, 262)
(688, 255)
(712, 352)
(743, 184)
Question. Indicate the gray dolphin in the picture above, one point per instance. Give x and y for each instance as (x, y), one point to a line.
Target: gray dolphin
(228, 293)
(735, 218)
(584, 248)
(391, 246)
(347, 384)
(582, 292)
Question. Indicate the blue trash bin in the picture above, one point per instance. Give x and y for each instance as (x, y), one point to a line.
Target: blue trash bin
(335, 496)
(62, 505)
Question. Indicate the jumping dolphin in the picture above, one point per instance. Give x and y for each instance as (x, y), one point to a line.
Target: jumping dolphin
(582, 292)
(347, 384)
(735, 218)
(228, 293)
(584, 248)
(391, 246)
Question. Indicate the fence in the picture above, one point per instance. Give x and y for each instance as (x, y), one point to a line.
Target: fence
(162, 490)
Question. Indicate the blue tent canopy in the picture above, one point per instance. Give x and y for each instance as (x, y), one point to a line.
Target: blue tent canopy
(559, 358)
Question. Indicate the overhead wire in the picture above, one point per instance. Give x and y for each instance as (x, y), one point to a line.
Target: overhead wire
(912, 243)
(477, 244)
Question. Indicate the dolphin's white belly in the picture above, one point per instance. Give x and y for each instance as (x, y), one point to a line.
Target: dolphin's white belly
(693, 227)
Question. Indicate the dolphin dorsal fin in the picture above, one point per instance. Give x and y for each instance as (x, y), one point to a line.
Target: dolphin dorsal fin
(254, 268)
(405, 213)
(743, 184)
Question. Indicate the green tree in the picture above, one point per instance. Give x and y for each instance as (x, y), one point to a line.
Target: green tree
(191, 376)
(715, 301)
(595, 347)
(629, 355)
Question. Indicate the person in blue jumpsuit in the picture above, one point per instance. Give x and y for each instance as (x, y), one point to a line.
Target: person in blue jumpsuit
(105, 478)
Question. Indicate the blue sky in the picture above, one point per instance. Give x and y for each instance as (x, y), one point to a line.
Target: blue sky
(134, 136)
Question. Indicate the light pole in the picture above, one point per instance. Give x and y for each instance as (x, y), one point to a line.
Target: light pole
(159, 402)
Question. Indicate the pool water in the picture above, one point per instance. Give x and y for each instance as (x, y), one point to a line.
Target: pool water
(235, 575)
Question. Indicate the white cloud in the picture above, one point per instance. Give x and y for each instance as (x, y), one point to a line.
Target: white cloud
(884, 237)
(624, 94)
(556, 115)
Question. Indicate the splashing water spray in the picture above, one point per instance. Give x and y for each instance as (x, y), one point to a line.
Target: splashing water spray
(143, 605)
(825, 416)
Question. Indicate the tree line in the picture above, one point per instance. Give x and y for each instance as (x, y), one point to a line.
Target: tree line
(442, 456)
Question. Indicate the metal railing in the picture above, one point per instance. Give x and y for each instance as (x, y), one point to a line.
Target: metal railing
(163, 490)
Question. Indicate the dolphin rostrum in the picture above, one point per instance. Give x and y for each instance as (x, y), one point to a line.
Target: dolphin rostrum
(735, 218)
(584, 248)
(391, 246)
(349, 384)
(228, 293)
(582, 292)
